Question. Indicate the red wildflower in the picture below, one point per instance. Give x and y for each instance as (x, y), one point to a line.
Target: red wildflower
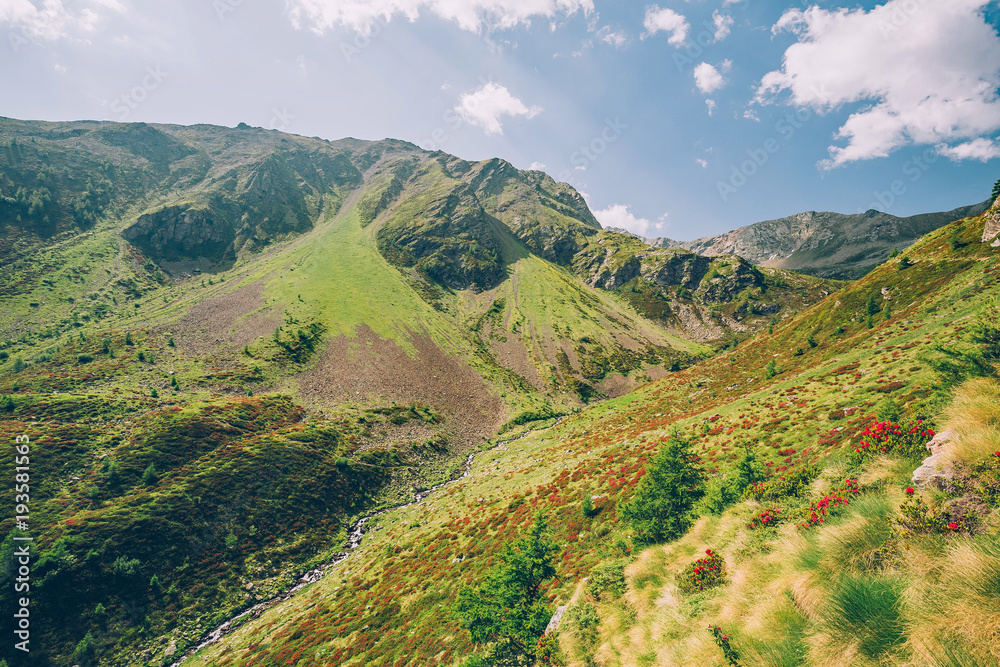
(909, 491)
(953, 525)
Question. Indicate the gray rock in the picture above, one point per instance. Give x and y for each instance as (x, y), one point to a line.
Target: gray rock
(935, 471)
(992, 224)
(555, 620)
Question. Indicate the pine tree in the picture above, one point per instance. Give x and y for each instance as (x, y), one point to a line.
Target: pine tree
(506, 614)
(660, 509)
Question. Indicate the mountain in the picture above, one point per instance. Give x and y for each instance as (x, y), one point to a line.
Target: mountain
(882, 579)
(829, 245)
(238, 352)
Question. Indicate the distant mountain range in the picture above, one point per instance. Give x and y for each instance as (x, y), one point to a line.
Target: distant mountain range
(829, 245)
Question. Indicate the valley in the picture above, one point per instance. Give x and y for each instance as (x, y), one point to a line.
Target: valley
(233, 348)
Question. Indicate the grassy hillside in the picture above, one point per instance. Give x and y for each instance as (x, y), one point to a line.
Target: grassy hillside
(258, 338)
(389, 604)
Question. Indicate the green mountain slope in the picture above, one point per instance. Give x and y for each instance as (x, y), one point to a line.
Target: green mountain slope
(388, 604)
(227, 344)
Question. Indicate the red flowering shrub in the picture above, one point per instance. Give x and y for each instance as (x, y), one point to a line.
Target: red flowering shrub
(766, 519)
(703, 573)
(830, 504)
(887, 437)
(547, 652)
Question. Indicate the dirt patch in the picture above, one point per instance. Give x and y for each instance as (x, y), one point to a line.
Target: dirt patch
(367, 368)
(229, 320)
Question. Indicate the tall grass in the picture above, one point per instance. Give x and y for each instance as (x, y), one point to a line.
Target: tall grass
(867, 609)
(974, 416)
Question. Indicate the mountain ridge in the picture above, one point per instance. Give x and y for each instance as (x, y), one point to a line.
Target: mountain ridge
(825, 244)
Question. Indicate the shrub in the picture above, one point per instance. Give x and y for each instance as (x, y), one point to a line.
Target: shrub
(84, 358)
(771, 370)
(767, 519)
(128, 338)
(607, 579)
(149, 476)
(19, 364)
(831, 504)
(588, 507)
(886, 437)
(723, 641)
(702, 573)
(790, 484)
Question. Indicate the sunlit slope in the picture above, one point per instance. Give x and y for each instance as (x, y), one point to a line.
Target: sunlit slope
(388, 605)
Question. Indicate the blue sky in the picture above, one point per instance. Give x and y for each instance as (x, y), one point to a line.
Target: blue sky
(675, 118)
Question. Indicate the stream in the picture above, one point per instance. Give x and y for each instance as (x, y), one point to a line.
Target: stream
(354, 537)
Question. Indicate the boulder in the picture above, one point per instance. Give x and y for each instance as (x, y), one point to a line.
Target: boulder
(555, 620)
(992, 229)
(935, 471)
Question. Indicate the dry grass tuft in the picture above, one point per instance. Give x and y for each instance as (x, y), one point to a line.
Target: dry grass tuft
(974, 416)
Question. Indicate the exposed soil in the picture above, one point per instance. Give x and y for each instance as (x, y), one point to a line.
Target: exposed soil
(367, 368)
(229, 320)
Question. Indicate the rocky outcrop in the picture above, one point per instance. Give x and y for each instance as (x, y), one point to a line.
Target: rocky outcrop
(992, 229)
(183, 232)
(936, 470)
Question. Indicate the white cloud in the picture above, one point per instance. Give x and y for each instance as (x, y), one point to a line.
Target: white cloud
(51, 19)
(537, 166)
(708, 78)
(711, 106)
(615, 38)
(472, 15)
(485, 106)
(619, 215)
(978, 149)
(750, 114)
(666, 20)
(701, 163)
(923, 73)
(723, 25)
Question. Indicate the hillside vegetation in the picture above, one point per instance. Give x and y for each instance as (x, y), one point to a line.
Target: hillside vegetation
(227, 346)
(881, 580)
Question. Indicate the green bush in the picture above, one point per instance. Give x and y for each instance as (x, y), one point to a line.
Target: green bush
(792, 483)
(607, 580)
(84, 358)
(149, 476)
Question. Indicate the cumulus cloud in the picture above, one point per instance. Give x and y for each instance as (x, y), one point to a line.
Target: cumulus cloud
(619, 215)
(485, 106)
(708, 78)
(922, 73)
(981, 149)
(723, 25)
(537, 166)
(701, 163)
(710, 106)
(472, 15)
(51, 19)
(668, 21)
